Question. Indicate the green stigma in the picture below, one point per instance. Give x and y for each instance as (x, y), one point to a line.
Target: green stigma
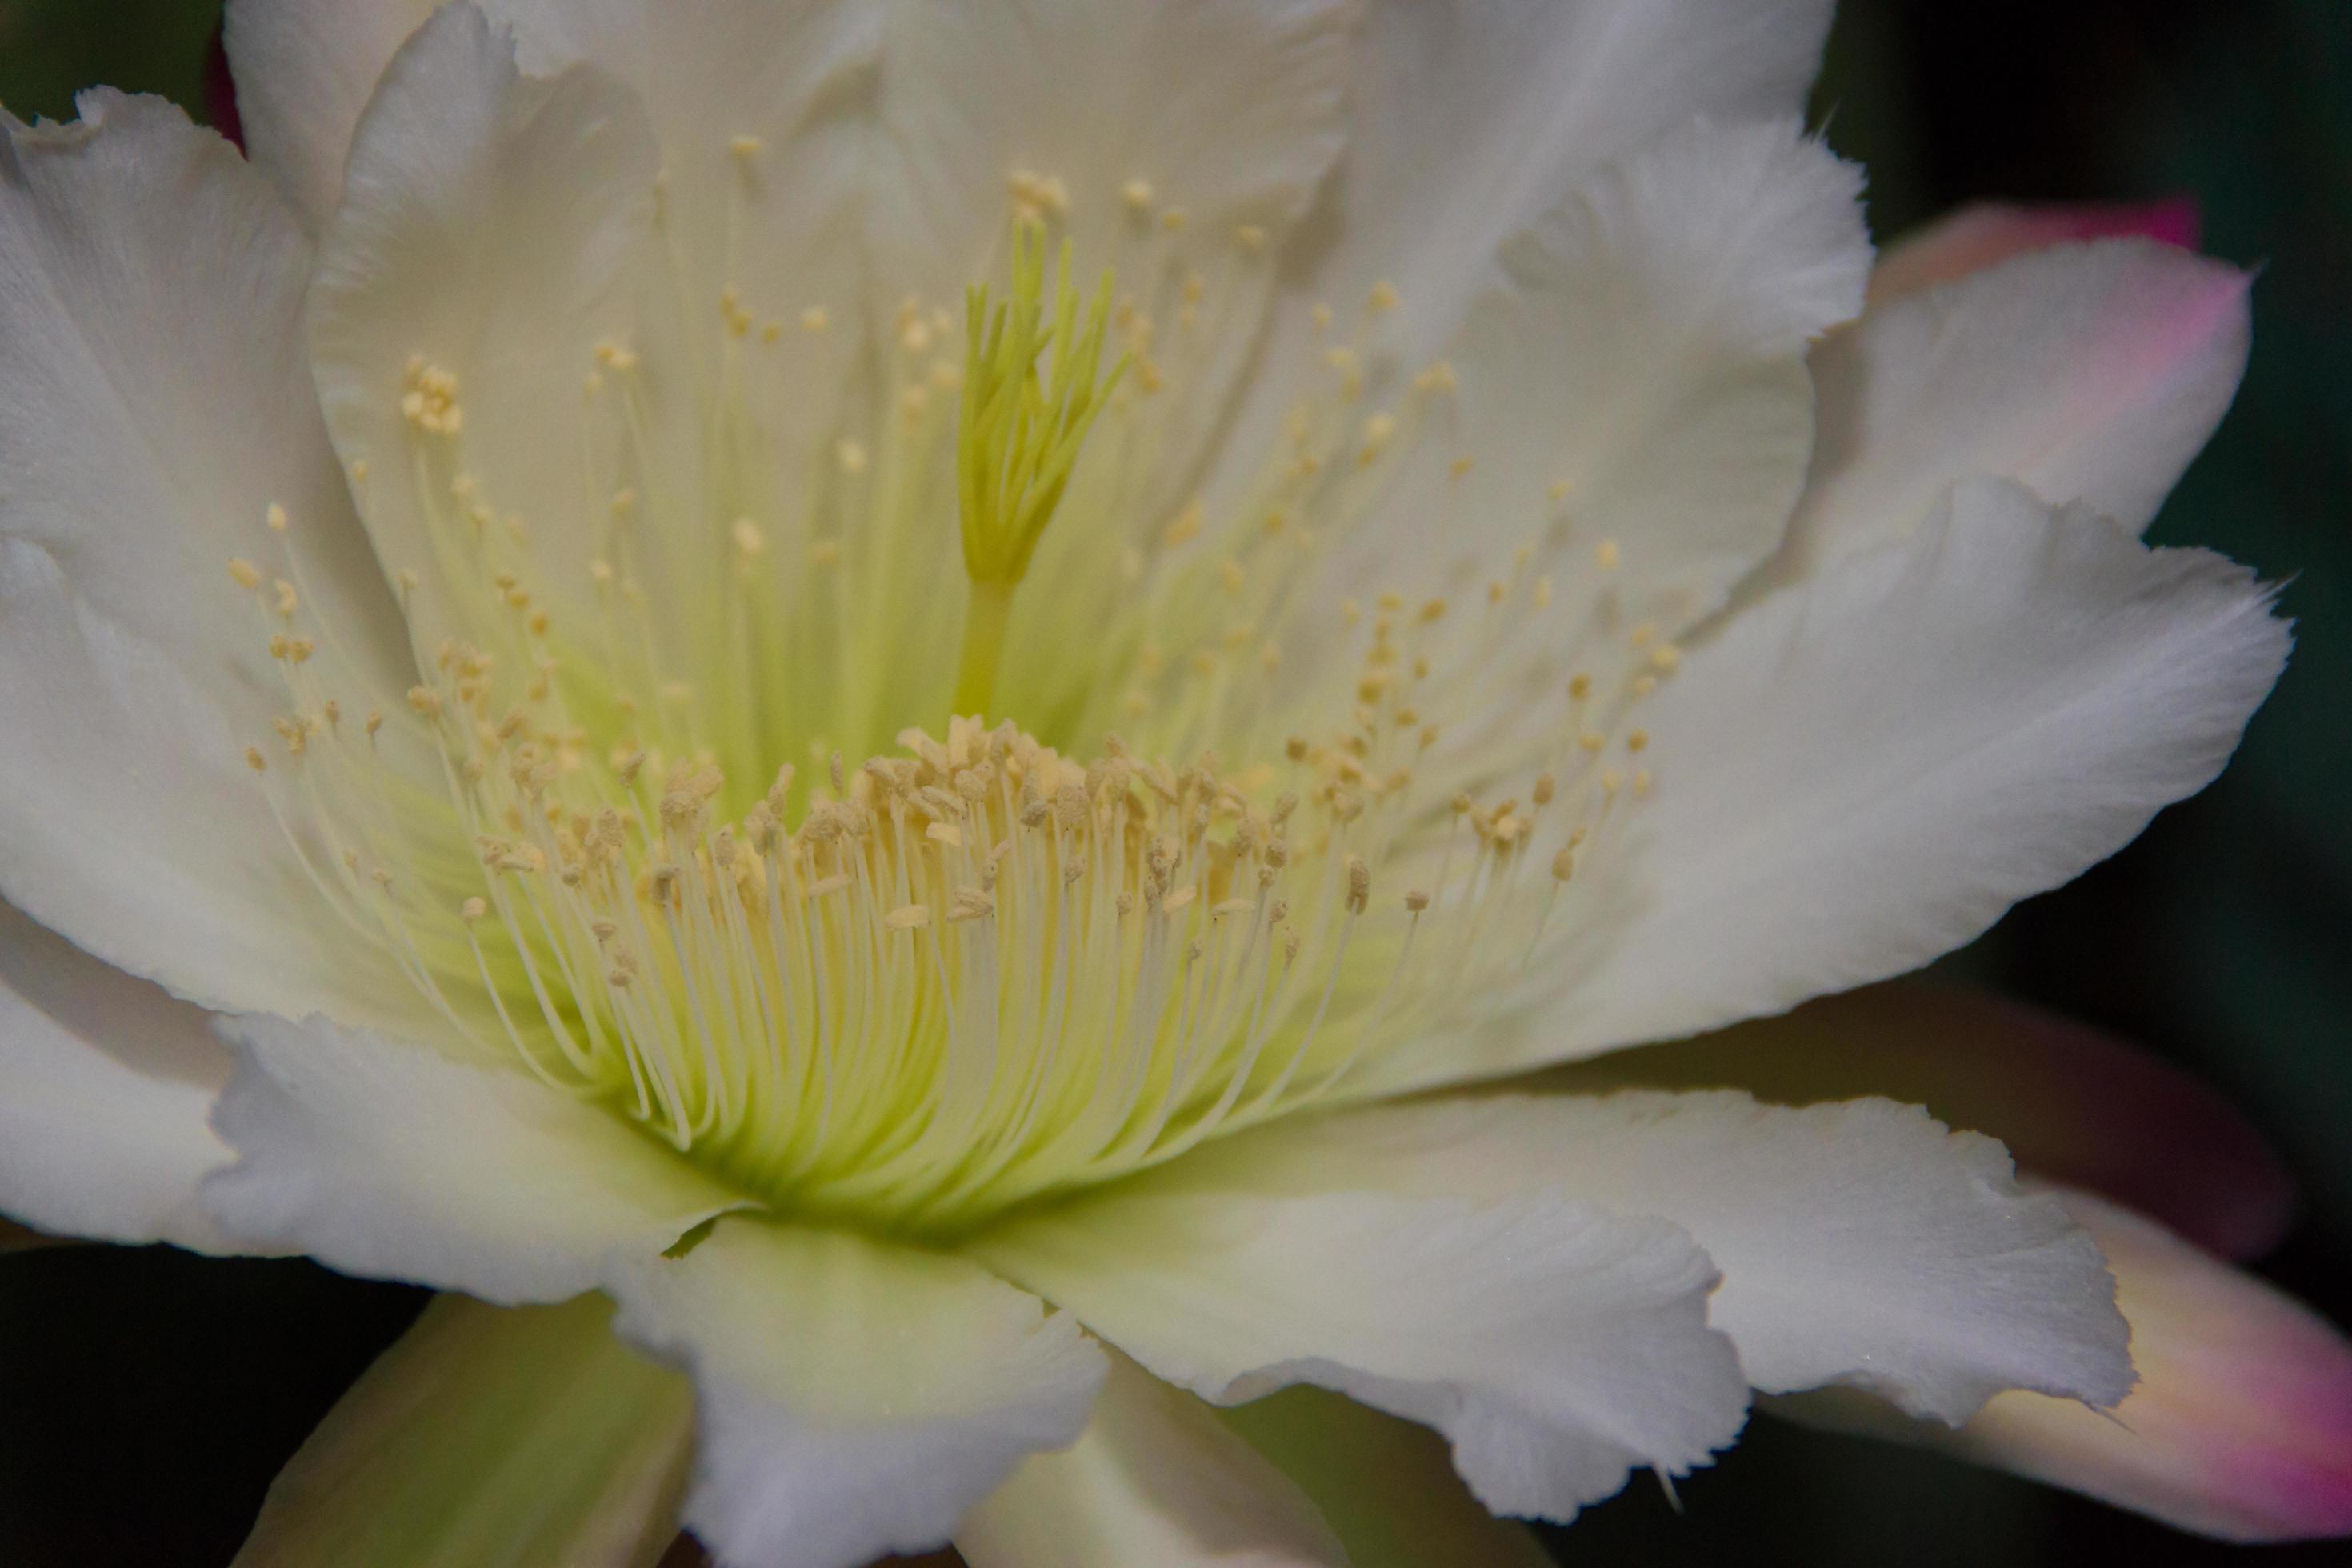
(1031, 393)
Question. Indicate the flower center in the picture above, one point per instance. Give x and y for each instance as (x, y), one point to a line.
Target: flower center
(613, 834)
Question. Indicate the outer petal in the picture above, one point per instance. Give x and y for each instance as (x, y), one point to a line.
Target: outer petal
(1386, 1486)
(490, 230)
(1154, 1478)
(1860, 1243)
(386, 1158)
(2089, 372)
(856, 1397)
(157, 403)
(1987, 234)
(105, 1086)
(489, 1438)
(1861, 773)
(304, 70)
(2241, 1428)
(2073, 1104)
(1532, 95)
(1558, 1349)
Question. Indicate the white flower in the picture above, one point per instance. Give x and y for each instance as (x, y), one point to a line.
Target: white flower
(483, 617)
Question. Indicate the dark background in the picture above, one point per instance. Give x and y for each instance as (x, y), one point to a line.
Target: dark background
(146, 1396)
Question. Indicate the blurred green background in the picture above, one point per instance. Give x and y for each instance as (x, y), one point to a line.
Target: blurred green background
(146, 1396)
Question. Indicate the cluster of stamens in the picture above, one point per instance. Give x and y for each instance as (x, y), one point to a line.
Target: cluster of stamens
(918, 987)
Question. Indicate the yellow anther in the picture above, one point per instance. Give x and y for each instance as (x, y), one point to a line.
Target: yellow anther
(1608, 556)
(745, 148)
(1563, 865)
(1665, 658)
(816, 319)
(1382, 299)
(1250, 237)
(1036, 196)
(1137, 192)
(1359, 885)
(472, 910)
(275, 518)
(255, 760)
(748, 537)
(245, 573)
(908, 917)
(851, 456)
(429, 399)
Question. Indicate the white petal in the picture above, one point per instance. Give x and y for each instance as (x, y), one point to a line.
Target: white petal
(1646, 350)
(2241, 1426)
(857, 1398)
(386, 1158)
(105, 1087)
(304, 70)
(1156, 1479)
(1468, 121)
(490, 1438)
(1860, 1243)
(2089, 372)
(1229, 109)
(489, 229)
(158, 402)
(1864, 771)
(1557, 1348)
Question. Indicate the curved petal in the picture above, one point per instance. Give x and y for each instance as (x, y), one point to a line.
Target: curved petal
(1860, 1243)
(856, 1397)
(1558, 1349)
(1861, 773)
(2088, 373)
(105, 1087)
(386, 1158)
(2241, 1425)
(494, 1437)
(1638, 376)
(304, 70)
(1154, 1478)
(1532, 95)
(1986, 234)
(1386, 1487)
(489, 234)
(157, 407)
(2073, 1104)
